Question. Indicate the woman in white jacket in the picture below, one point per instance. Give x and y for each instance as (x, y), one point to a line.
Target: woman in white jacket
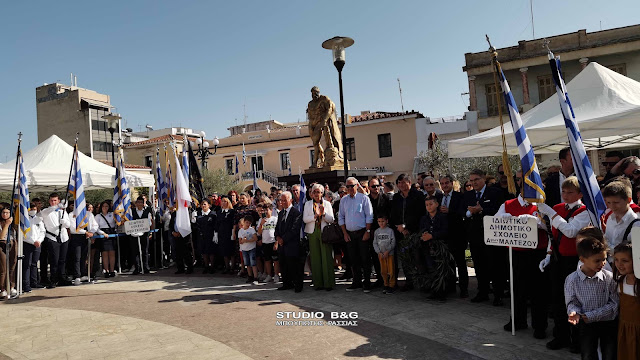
(31, 250)
(317, 214)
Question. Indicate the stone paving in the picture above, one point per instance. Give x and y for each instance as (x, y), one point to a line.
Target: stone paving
(161, 315)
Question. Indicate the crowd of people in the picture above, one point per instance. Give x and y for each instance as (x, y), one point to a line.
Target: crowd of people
(366, 231)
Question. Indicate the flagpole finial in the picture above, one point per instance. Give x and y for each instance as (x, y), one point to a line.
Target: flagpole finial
(545, 44)
(491, 48)
(77, 135)
(19, 136)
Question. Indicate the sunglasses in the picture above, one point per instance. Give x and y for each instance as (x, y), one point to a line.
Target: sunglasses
(375, 186)
(636, 172)
(350, 186)
(468, 185)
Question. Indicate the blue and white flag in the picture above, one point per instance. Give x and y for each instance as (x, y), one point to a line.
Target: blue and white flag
(77, 190)
(244, 155)
(533, 190)
(237, 164)
(121, 194)
(21, 200)
(160, 185)
(185, 159)
(168, 183)
(591, 195)
(302, 200)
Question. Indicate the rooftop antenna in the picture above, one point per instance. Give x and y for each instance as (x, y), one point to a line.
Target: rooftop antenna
(600, 25)
(401, 102)
(71, 84)
(533, 28)
(244, 110)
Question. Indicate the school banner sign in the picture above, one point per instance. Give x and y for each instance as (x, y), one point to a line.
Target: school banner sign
(510, 231)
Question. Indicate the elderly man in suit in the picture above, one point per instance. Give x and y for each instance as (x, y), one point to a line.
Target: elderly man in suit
(553, 184)
(487, 260)
(289, 249)
(457, 241)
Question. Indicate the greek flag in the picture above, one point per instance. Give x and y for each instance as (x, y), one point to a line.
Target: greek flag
(185, 160)
(237, 163)
(162, 190)
(244, 155)
(21, 200)
(302, 200)
(77, 190)
(168, 184)
(532, 187)
(591, 195)
(121, 194)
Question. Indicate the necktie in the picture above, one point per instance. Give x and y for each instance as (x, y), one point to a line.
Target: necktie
(478, 195)
(446, 200)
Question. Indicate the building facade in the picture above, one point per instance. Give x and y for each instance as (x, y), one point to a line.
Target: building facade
(64, 110)
(526, 67)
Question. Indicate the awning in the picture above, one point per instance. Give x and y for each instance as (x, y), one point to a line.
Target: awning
(97, 103)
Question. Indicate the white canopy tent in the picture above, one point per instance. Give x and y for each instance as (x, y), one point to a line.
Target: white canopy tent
(47, 169)
(606, 105)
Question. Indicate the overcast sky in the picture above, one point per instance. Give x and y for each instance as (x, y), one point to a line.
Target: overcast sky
(199, 63)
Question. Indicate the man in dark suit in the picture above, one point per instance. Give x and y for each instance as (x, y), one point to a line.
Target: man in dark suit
(457, 241)
(430, 189)
(553, 184)
(289, 249)
(487, 260)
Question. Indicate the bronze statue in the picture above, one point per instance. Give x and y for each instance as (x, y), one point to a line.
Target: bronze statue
(322, 121)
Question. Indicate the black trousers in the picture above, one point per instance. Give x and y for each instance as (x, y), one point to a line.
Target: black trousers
(606, 332)
(499, 258)
(57, 260)
(134, 251)
(293, 276)
(374, 259)
(30, 266)
(481, 262)
(44, 262)
(530, 284)
(184, 255)
(458, 247)
(360, 257)
(560, 269)
(78, 244)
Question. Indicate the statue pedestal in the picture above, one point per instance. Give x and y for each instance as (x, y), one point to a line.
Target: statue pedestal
(331, 175)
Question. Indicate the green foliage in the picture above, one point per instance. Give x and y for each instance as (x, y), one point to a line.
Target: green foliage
(95, 197)
(436, 162)
(217, 180)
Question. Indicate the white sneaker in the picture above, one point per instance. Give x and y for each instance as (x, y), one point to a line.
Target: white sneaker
(14, 292)
(84, 279)
(3, 294)
(77, 282)
(267, 278)
(276, 279)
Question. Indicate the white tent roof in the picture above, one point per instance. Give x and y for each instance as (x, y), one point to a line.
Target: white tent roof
(47, 169)
(606, 105)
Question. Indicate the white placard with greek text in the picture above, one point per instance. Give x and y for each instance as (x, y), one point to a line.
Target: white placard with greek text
(137, 226)
(511, 231)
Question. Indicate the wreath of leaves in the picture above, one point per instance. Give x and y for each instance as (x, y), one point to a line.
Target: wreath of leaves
(434, 279)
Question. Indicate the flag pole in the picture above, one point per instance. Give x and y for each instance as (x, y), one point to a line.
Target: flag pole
(13, 194)
(506, 167)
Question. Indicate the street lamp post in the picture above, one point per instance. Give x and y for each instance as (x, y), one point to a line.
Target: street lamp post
(113, 121)
(337, 44)
(203, 148)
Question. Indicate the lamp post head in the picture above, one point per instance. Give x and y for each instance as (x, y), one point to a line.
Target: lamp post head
(337, 44)
(202, 134)
(205, 145)
(112, 120)
(199, 141)
(216, 142)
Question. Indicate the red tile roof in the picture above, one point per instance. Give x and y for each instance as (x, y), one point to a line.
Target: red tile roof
(159, 139)
(126, 166)
(382, 115)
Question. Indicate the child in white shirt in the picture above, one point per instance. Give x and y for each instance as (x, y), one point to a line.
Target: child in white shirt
(247, 237)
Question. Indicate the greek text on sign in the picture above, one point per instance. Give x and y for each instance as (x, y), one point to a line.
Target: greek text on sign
(510, 231)
(137, 226)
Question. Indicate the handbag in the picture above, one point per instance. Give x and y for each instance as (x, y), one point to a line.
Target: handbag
(332, 233)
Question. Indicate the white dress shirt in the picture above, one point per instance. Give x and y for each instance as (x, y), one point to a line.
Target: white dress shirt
(576, 223)
(53, 217)
(616, 228)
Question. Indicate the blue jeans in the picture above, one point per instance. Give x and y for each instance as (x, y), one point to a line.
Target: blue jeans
(249, 257)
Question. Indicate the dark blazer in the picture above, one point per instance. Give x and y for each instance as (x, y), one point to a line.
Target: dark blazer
(552, 190)
(289, 231)
(408, 211)
(381, 205)
(490, 201)
(438, 227)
